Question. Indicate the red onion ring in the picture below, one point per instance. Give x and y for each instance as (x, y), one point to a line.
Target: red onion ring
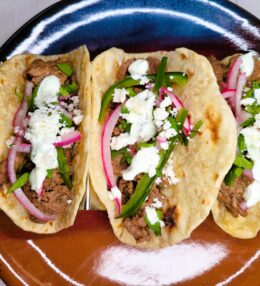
(178, 104)
(68, 139)
(227, 93)
(240, 116)
(22, 110)
(105, 150)
(19, 194)
(233, 74)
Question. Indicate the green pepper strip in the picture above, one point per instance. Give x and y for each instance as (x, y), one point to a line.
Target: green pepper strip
(174, 77)
(160, 76)
(233, 173)
(64, 167)
(21, 181)
(127, 82)
(144, 185)
(242, 162)
(156, 228)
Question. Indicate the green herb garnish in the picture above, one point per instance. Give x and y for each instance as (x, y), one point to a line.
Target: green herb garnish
(50, 173)
(124, 109)
(68, 89)
(64, 119)
(250, 121)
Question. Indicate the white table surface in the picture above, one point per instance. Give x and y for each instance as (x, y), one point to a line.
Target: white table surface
(14, 13)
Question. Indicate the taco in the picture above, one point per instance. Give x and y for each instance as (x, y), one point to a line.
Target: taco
(162, 141)
(43, 122)
(237, 209)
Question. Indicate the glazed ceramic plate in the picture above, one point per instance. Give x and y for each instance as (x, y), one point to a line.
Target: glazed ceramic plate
(88, 253)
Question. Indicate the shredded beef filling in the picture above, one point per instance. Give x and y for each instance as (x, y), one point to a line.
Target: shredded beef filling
(54, 200)
(136, 225)
(56, 195)
(39, 69)
(232, 196)
(126, 188)
(123, 70)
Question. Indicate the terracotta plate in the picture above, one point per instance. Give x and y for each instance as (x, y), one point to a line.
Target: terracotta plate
(88, 253)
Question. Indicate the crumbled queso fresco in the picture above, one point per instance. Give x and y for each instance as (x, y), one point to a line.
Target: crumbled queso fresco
(44, 128)
(146, 119)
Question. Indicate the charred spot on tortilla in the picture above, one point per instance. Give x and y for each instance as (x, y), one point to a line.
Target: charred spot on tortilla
(213, 121)
(183, 56)
(190, 72)
(215, 177)
(171, 216)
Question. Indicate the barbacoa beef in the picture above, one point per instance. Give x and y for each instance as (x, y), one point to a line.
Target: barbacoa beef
(137, 226)
(123, 70)
(232, 196)
(54, 200)
(39, 69)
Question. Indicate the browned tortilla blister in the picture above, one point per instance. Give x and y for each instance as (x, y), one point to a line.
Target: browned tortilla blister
(201, 166)
(12, 80)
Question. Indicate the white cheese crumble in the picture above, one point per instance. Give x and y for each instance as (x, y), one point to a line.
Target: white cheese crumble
(160, 114)
(252, 194)
(164, 145)
(48, 91)
(257, 121)
(138, 67)
(247, 65)
(252, 140)
(77, 119)
(166, 102)
(37, 177)
(43, 126)
(168, 172)
(115, 193)
(247, 101)
(140, 109)
(144, 161)
(152, 216)
(257, 95)
(156, 203)
(120, 95)
(44, 156)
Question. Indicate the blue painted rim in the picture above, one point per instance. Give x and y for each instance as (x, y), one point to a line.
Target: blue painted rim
(244, 26)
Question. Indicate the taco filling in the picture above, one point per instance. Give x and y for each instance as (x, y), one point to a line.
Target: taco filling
(143, 121)
(38, 169)
(239, 80)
